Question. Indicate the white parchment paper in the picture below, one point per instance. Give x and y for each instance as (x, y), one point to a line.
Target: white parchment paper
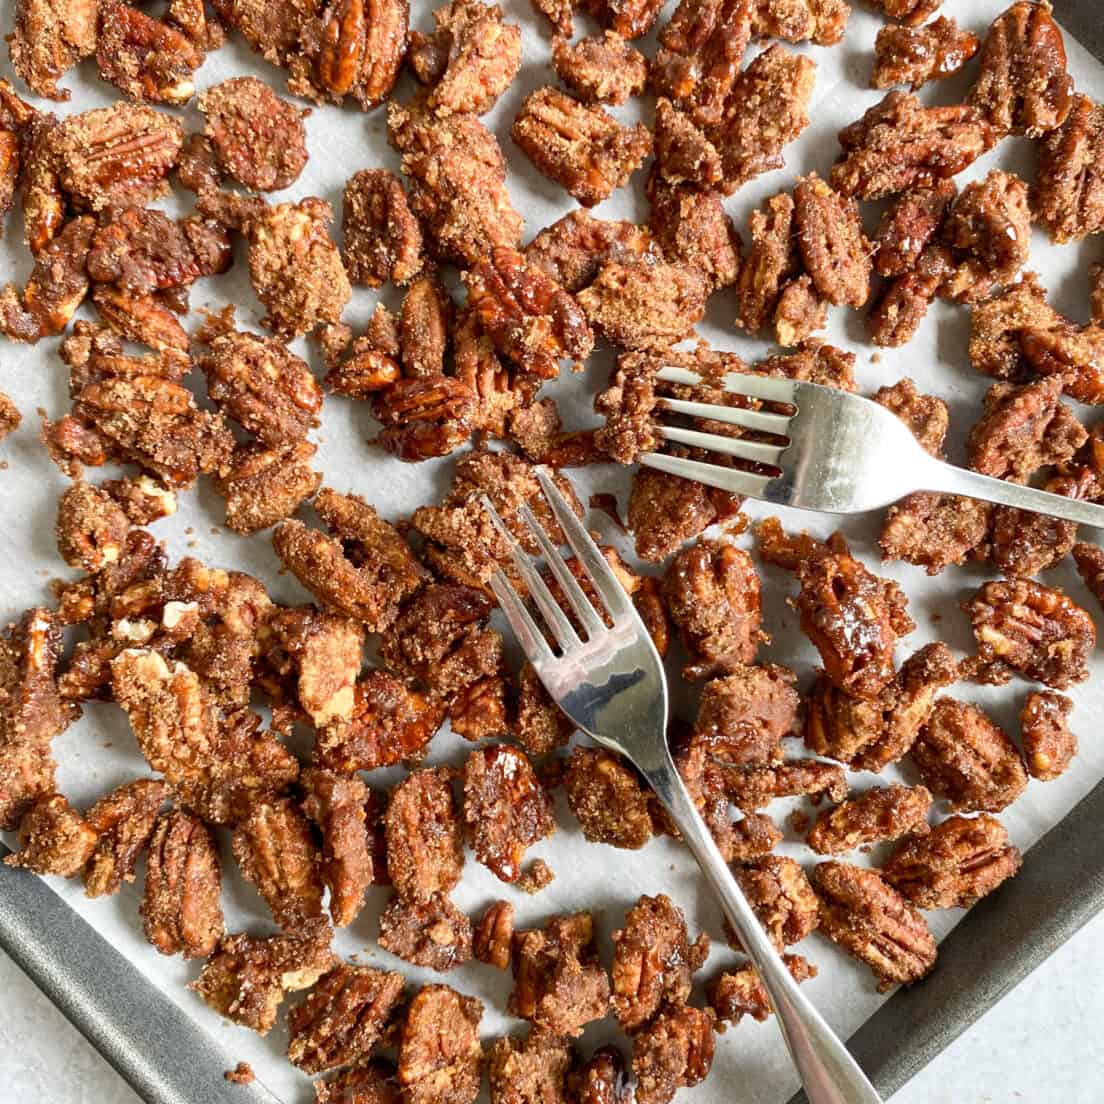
(99, 752)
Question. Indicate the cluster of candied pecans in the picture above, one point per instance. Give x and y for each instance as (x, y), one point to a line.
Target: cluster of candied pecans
(186, 649)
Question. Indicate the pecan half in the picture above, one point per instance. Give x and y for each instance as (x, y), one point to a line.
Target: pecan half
(870, 920)
(964, 757)
(1048, 744)
(739, 993)
(53, 838)
(48, 38)
(383, 240)
(425, 843)
(916, 55)
(608, 799)
(180, 911)
(342, 1017)
(124, 822)
(832, 244)
(148, 60)
(1069, 190)
(674, 1051)
(440, 1059)
(881, 813)
(493, 938)
(433, 933)
(955, 865)
(602, 69)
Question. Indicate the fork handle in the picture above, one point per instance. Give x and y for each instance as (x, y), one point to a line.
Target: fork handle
(954, 480)
(828, 1072)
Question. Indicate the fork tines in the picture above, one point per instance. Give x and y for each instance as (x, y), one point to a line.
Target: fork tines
(764, 456)
(602, 578)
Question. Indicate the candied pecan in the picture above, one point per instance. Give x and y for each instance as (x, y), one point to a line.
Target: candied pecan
(799, 312)
(441, 638)
(646, 306)
(712, 593)
(383, 240)
(830, 237)
(559, 984)
(934, 530)
(753, 787)
(457, 183)
(739, 993)
(119, 154)
(770, 260)
(433, 933)
(55, 288)
(91, 528)
(476, 57)
(505, 809)
(682, 151)
(964, 757)
(336, 803)
(955, 865)
(155, 423)
(744, 715)
(461, 542)
(271, 31)
(246, 977)
(764, 111)
(364, 571)
(53, 838)
(342, 1017)
(276, 852)
(263, 386)
(608, 799)
(870, 733)
(899, 144)
(628, 405)
(371, 1082)
(539, 725)
(424, 325)
(32, 711)
(904, 301)
(699, 56)
(350, 48)
(257, 138)
(926, 416)
(674, 1051)
(478, 711)
(142, 251)
(628, 18)
(388, 723)
(580, 146)
(853, 618)
(1031, 629)
(652, 961)
(494, 935)
(425, 844)
(916, 55)
(148, 60)
(367, 369)
(574, 248)
(526, 314)
(602, 69)
(881, 813)
(263, 486)
(692, 228)
(1023, 543)
(989, 226)
(144, 319)
(295, 268)
(49, 37)
(1023, 86)
(529, 1070)
(1049, 745)
(124, 822)
(907, 226)
(1090, 566)
(784, 902)
(424, 417)
(1069, 189)
(819, 21)
(27, 773)
(181, 910)
(440, 1058)
(665, 511)
(870, 920)
(600, 1080)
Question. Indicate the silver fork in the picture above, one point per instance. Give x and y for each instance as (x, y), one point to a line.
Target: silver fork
(610, 682)
(841, 453)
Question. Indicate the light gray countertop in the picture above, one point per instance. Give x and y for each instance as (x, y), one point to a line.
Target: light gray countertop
(1037, 1046)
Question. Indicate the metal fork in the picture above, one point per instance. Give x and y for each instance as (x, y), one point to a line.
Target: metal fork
(610, 682)
(838, 452)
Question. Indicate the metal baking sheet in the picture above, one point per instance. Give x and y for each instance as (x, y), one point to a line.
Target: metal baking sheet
(132, 1004)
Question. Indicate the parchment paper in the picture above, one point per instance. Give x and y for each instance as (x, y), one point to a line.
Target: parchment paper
(99, 752)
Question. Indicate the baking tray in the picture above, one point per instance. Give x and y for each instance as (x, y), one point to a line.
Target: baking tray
(168, 1058)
